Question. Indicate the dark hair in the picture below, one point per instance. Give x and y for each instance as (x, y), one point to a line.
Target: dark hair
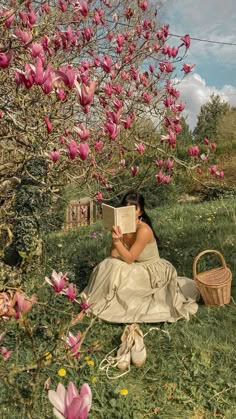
(137, 199)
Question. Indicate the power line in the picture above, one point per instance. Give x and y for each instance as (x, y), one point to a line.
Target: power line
(205, 40)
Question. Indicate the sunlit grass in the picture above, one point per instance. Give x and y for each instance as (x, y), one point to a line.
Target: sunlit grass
(190, 370)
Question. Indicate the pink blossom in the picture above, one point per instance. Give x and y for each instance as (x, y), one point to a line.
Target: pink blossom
(206, 141)
(166, 66)
(83, 132)
(23, 303)
(134, 170)
(67, 75)
(178, 107)
(83, 8)
(70, 292)
(11, 18)
(213, 169)
(5, 353)
(166, 179)
(169, 164)
(187, 68)
(203, 157)
(72, 148)
(74, 343)
(57, 281)
(143, 4)
(220, 174)
(186, 41)
(140, 148)
(61, 94)
(159, 163)
(213, 146)
(193, 151)
(54, 155)
(112, 129)
(70, 404)
(168, 101)
(99, 196)
(146, 97)
(98, 146)
(48, 124)
(24, 36)
(85, 93)
(159, 177)
(5, 59)
(127, 122)
(106, 64)
(36, 50)
(122, 163)
(83, 150)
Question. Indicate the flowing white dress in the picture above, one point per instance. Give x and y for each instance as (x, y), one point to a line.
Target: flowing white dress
(147, 290)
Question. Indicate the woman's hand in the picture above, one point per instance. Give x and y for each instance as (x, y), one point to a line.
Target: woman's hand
(116, 234)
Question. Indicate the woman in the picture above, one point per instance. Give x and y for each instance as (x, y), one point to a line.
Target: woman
(135, 284)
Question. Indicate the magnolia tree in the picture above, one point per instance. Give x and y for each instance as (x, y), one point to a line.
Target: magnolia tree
(75, 77)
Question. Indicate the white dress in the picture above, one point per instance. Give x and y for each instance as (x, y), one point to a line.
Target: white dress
(147, 290)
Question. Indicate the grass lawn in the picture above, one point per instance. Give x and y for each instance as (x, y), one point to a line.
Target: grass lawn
(190, 371)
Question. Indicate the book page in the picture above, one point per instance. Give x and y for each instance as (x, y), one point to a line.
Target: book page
(126, 219)
(109, 216)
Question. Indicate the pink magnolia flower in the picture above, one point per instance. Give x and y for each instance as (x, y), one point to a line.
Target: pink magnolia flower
(166, 179)
(159, 177)
(220, 174)
(85, 93)
(206, 141)
(83, 132)
(5, 59)
(11, 18)
(48, 124)
(186, 41)
(74, 342)
(40, 76)
(57, 281)
(70, 404)
(99, 196)
(169, 164)
(83, 7)
(213, 169)
(140, 148)
(36, 50)
(61, 94)
(72, 149)
(213, 146)
(71, 292)
(83, 150)
(159, 163)
(54, 155)
(193, 151)
(134, 170)
(112, 129)
(187, 68)
(5, 353)
(98, 146)
(24, 36)
(106, 64)
(22, 303)
(146, 97)
(203, 157)
(143, 4)
(122, 163)
(127, 122)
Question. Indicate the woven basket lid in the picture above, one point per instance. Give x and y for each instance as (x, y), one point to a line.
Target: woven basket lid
(215, 277)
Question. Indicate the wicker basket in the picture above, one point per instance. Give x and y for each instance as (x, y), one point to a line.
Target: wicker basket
(215, 284)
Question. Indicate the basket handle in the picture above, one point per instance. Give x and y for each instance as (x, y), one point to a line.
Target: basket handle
(203, 253)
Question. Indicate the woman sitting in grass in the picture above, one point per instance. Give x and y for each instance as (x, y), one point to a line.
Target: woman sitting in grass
(135, 284)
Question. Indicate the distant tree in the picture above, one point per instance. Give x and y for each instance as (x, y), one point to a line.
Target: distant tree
(186, 135)
(209, 118)
(226, 132)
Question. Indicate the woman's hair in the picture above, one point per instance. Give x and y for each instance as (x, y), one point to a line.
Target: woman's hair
(135, 198)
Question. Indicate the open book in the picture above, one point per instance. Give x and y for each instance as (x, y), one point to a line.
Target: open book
(124, 217)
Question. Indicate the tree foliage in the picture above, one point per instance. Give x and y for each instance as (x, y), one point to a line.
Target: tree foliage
(209, 118)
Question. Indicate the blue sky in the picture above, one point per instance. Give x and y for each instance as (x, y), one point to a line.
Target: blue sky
(215, 64)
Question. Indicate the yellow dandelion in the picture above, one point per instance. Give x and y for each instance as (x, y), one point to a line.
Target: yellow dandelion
(90, 362)
(47, 356)
(94, 380)
(124, 392)
(61, 372)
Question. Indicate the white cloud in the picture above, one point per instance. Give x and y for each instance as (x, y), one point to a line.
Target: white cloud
(205, 19)
(195, 93)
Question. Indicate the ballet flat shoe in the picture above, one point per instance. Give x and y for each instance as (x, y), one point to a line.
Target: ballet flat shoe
(123, 353)
(138, 350)
(123, 357)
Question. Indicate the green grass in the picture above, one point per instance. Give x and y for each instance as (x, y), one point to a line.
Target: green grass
(190, 372)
